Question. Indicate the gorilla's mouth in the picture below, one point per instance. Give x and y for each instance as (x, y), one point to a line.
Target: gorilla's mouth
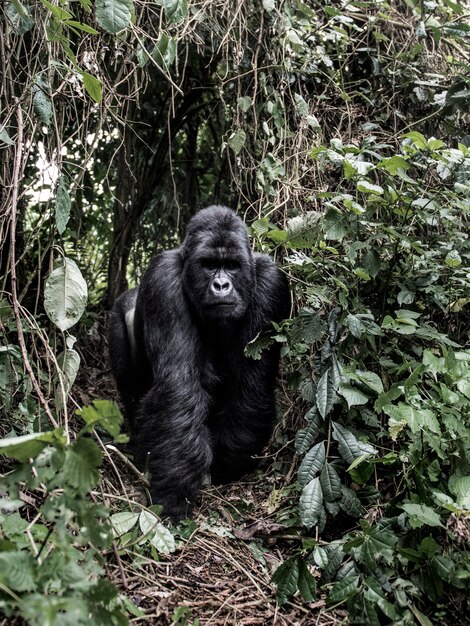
(217, 305)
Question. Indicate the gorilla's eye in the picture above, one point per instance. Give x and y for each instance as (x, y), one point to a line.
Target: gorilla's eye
(232, 265)
(210, 264)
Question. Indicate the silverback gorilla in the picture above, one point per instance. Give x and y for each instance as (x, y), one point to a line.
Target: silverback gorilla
(197, 405)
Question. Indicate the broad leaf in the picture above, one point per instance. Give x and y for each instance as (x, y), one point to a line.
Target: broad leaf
(421, 514)
(29, 446)
(123, 522)
(103, 413)
(62, 205)
(285, 578)
(65, 295)
(306, 582)
(311, 503)
(311, 464)
(330, 483)
(81, 464)
(113, 15)
(325, 395)
(307, 436)
(352, 395)
(163, 540)
(343, 590)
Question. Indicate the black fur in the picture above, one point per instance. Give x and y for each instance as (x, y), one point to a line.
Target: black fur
(196, 404)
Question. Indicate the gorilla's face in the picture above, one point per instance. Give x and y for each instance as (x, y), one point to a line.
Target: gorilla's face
(218, 274)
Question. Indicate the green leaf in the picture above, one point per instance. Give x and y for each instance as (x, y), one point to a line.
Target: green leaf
(285, 578)
(352, 395)
(244, 103)
(164, 52)
(254, 349)
(453, 259)
(175, 10)
(93, 87)
(59, 13)
(237, 140)
(69, 363)
(335, 225)
(350, 503)
(311, 503)
(306, 436)
(416, 419)
(343, 590)
(18, 571)
(311, 464)
(123, 522)
(306, 582)
(29, 446)
(65, 295)
(163, 540)
(81, 464)
(330, 483)
(373, 592)
(62, 205)
(325, 395)
(300, 105)
(268, 5)
(417, 139)
(366, 187)
(5, 137)
(113, 15)
(349, 447)
(42, 102)
(261, 227)
(421, 514)
(393, 164)
(103, 413)
(461, 489)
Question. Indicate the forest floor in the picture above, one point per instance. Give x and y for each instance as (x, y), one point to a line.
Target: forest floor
(220, 573)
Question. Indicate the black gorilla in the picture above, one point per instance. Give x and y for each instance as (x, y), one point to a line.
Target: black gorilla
(197, 406)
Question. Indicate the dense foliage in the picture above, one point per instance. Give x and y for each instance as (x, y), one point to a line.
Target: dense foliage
(340, 130)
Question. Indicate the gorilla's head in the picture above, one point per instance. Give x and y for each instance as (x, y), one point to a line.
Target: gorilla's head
(218, 271)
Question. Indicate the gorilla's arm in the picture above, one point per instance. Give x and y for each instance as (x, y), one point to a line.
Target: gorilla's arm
(247, 417)
(120, 347)
(172, 415)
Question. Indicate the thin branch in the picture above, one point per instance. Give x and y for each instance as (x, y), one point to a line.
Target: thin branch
(14, 295)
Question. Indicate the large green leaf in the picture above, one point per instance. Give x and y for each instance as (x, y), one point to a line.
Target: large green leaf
(306, 436)
(286, 577)
(175, 10)
(103, 413)
(81, 464)
(311, 503)
(123, 522)
(343, 590)
(159, 536)
(349, 447)
(330, 483)
(421, 514)
(113, 15)
(163, 540)
(352, 395)
(29, 446)
(42, 102)
(311, 464)
(325, 396)
(306, 582)
(18, 571)
(416, 419)
(65, 295)
(62, 205)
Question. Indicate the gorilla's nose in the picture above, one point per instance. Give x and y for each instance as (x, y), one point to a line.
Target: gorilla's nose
(221, 286)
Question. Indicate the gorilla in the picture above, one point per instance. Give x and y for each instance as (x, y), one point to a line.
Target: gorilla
(197, 406)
